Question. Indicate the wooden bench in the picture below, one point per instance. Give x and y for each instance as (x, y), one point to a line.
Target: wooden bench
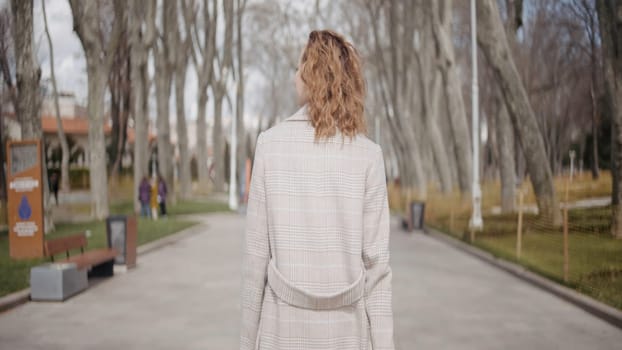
(99, 262)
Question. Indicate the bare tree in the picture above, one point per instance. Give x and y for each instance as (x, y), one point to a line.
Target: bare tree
(142, 14)
(119, 85)
(610, 24)
(164, 57)
(224, 64)
(64, 167)
(430, 91)
(243, 146)
(182, 45)
(5, 52)
(390, 64)
(442, 29)
(503, 125)
(27, 72)
(202, 53)
(493, 42)
(98, 50)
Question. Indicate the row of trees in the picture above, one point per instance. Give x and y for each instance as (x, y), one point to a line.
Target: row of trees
(542, 85)
(547, 82)
(120, 40)
(187, 31)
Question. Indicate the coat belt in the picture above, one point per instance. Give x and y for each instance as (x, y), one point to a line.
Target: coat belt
(296, 296)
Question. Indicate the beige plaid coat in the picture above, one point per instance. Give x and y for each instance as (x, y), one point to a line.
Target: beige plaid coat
(316, 271)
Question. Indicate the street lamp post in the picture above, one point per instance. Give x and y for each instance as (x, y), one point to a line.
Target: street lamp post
(233, 189)
(476, 222)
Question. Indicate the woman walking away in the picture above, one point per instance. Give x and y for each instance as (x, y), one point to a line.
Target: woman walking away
(144, 196)
(316, 271)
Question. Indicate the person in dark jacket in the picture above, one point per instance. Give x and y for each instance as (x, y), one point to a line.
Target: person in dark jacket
(162, 191)
(54, 185)
(144, 196)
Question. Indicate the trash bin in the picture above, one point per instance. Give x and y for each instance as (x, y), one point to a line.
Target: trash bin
(122, 235)
(417, 211)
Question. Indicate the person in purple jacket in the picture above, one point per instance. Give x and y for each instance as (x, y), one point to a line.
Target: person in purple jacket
(144, 197)
(162, 190)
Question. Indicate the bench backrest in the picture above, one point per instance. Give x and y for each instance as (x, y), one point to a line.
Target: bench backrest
(65, 244)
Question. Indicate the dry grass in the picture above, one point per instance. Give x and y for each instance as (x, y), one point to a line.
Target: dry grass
(595, 257)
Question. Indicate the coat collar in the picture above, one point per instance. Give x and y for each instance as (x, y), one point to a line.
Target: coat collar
(301, 114)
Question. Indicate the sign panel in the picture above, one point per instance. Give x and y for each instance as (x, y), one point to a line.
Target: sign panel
(25, 199)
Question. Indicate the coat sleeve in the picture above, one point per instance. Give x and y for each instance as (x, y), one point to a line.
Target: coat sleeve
(256, 252)
(376, 226)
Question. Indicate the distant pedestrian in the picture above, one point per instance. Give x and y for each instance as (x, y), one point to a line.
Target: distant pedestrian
(162, 191)
(54, 184)
(153, 200)
(144, 197)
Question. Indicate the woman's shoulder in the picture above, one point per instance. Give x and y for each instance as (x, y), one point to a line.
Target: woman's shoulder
(283, 132)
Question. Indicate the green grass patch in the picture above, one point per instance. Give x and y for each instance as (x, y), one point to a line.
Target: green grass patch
(179, 208)
(595, 257)
(14, 274)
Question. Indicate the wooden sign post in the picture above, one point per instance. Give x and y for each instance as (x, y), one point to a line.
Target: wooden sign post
(25, 199)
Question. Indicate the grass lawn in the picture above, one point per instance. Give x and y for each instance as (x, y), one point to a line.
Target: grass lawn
(595, 257)
(14, 274)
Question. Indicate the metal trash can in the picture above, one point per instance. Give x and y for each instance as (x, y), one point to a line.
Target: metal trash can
(122, 235)
(417, 212)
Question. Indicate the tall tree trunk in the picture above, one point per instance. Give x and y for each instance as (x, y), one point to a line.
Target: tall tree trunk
(505, 147)
(592, 33)
(594, 106)
(163, 81)
(120, 91)
(64, 167)
(182, 130)
(218, 141)
(610, 21)
(140, 42)
(97, 146)
(98, 54)
(182, 55)
(430, 103)
(503, 128)
(492, 39)
(202, 55)
(201, 152)
(242, 149)
(164, 61)
(27, 73)
(442, 18)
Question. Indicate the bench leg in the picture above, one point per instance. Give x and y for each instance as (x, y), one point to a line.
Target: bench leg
(103, 270)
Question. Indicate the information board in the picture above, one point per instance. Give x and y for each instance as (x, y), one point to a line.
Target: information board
(25, 199)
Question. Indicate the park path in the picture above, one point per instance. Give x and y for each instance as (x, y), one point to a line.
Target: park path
(186, 296)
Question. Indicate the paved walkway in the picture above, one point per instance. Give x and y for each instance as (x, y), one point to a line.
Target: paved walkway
(186, 296)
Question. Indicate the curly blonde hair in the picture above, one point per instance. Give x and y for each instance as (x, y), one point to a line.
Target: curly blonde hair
(334, 83)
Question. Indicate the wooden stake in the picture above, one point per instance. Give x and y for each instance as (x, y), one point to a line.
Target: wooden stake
(566, 256)
(451, 217)
(519, 231)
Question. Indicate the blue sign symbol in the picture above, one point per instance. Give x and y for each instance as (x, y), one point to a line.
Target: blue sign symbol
(24, 211)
